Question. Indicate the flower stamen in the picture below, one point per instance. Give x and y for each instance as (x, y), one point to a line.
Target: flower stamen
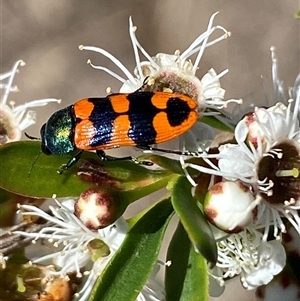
(112, 58)
(11, 76)
(288, 173)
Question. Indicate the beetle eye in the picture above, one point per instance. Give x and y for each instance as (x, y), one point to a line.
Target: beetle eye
(42, 131)
(45, 149)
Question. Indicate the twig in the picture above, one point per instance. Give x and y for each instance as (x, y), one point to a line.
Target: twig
(10, 242)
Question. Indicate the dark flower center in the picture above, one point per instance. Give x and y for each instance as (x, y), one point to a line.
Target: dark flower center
(3, 134)
(281, 168)
(169, 80)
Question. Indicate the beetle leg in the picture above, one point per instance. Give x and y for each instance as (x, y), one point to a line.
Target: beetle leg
(104, 157)
(70, 163)
(168, 151)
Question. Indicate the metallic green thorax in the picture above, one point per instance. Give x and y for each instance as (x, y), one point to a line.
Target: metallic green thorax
(58, 133)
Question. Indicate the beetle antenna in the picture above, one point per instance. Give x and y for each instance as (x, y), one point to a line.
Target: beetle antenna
(31, 137)
(144, 85)
(145, 81)
(33, 163)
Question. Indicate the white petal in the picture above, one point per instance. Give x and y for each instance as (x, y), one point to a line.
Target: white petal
(68, 262)
(234, 160)
(29, 120)
(272, 261)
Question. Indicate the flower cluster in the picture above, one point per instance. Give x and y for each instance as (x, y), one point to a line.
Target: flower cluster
(80, 246)
(265, 162)
(163, 72)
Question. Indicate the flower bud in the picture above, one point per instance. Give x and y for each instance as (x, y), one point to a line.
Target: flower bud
(59, 288)
(98, 208)
(255, 124)
(229, 206)
(98, 248)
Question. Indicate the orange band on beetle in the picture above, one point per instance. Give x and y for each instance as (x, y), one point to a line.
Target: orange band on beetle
(84, 131)
(83, 108)
(160, 100)
(119, 103)
(165, 132)
(120, 132)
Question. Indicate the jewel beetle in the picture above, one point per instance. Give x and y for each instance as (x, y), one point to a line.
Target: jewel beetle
(140, 119)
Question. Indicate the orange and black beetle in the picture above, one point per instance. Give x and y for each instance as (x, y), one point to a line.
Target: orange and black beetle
(136, 119)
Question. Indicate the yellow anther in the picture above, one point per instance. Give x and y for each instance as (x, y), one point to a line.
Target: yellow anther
(288, 173)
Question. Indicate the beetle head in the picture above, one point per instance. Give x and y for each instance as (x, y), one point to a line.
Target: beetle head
(58, 133)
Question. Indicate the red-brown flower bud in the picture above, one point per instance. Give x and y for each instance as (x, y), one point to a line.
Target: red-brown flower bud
(98, 208)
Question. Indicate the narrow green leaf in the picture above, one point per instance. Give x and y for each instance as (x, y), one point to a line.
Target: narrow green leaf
(187, 275)
(193, 219)
(123, 174)
(196, 284)
(164, 162)
(177, 256)
(17, 160)
(216, 123)
(133, 219)
(129, 269)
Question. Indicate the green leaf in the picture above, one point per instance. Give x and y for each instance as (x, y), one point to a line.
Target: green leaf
(187, 275)
(17, 160)
(4, 196)
(216, 123)
(164, 162)
(131, 266)
(193, 219)
(8, 207)
(123, 174)
(171, 165)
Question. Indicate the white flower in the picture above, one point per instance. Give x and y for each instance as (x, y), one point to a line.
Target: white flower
(272, 259)
(74, 237)
(176, 73)
(171, 72)
(267, 158)
(80, 247)
(246, 255)
(12, 118)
